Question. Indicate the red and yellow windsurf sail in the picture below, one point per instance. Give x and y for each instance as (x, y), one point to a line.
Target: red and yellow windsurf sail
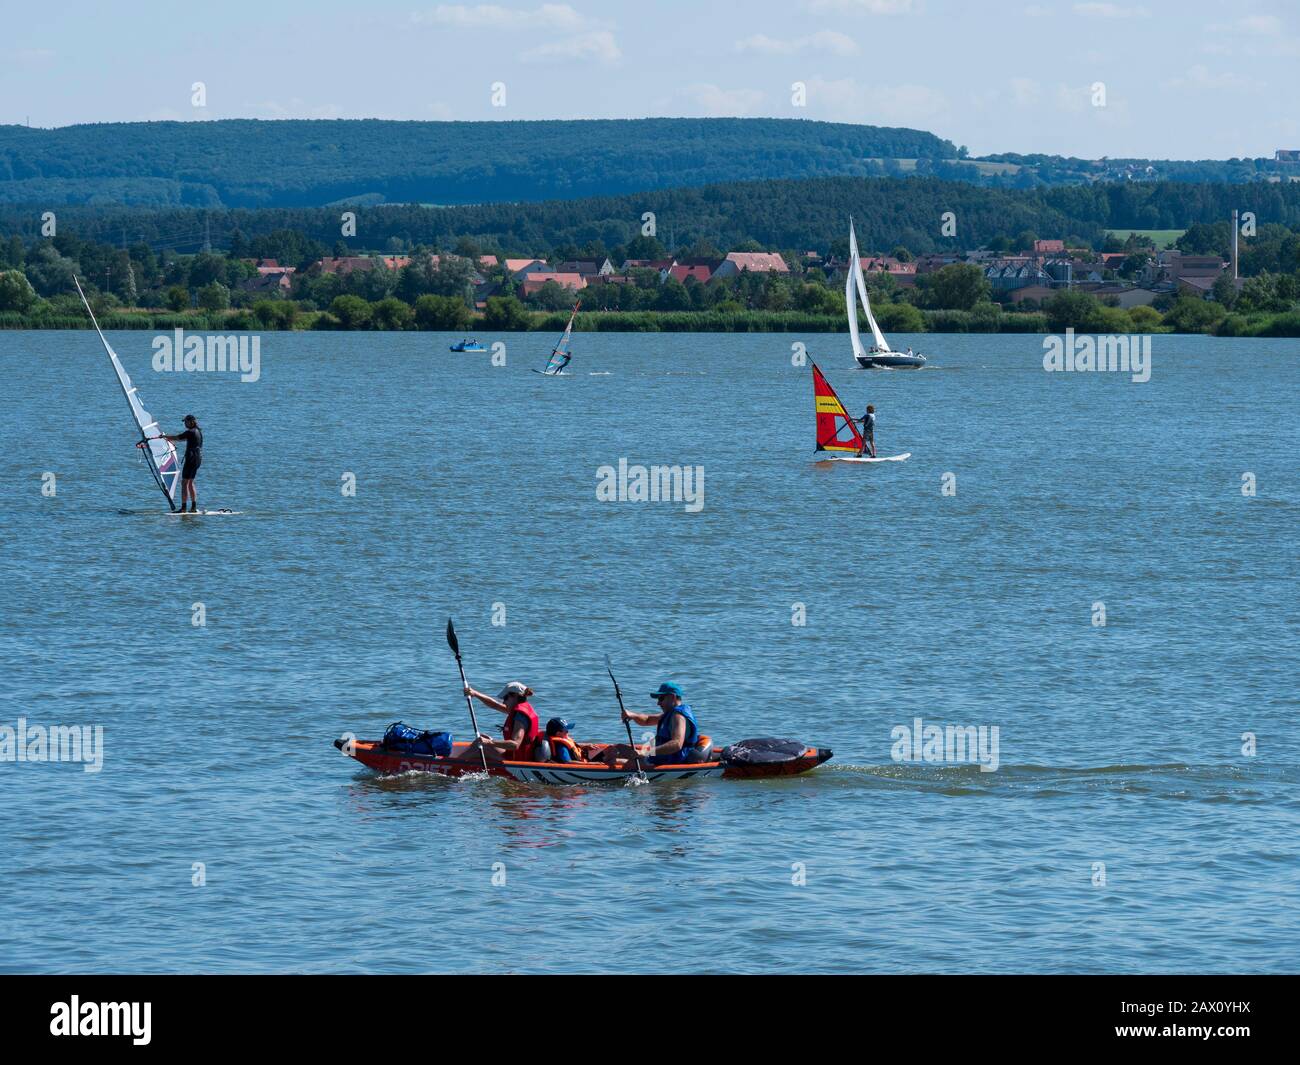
(836, 431)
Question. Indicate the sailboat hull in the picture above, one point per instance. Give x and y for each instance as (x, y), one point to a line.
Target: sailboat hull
(891, 361)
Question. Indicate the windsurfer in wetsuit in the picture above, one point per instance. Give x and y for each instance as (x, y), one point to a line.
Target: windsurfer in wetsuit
(193, 437)
(868, 421)
(564, 362)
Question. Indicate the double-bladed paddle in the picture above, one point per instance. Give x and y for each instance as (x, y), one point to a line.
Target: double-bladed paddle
(454, 644)
(618, 694)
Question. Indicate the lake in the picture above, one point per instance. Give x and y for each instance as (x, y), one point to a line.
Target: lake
(1140, 815)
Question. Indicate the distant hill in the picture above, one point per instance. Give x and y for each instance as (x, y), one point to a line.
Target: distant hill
(785, 214)
(299, 163)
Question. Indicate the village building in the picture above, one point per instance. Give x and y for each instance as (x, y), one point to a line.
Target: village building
(521, 268)
(532, 282)
(270, 282)
(755, 262)
(681, 271)
(346, 264)
(586, 267)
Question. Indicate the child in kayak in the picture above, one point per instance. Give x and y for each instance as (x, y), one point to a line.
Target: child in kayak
(519, 734)
(676, 732)
(560, 746)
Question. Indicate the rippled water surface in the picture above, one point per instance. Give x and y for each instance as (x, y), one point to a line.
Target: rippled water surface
(1120, 745)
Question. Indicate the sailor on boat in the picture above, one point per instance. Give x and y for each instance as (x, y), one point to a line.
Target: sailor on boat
(193, 437)
(519, 734)
(868, 421)
(677, 736)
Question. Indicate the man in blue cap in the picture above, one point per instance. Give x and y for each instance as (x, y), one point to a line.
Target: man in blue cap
(676, 732)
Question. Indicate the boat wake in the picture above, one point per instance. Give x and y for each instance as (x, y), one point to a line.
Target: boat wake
(1225, 783)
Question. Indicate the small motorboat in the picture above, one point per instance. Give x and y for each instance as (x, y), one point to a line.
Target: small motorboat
(468, 345)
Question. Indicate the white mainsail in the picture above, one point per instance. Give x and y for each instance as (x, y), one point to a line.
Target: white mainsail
(855, 280)
(850, 299)
(160, 454)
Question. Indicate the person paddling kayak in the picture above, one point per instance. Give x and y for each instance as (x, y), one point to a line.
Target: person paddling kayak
(519, 734)
(193, 437)
(676, 731)
(868, 421)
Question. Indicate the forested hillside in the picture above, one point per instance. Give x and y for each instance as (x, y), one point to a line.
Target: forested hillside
(803, 215)
(292, 163)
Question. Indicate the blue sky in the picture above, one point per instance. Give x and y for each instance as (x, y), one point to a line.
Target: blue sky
(1185, 79)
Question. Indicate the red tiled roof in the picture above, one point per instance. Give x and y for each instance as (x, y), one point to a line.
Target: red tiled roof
(681, 273)
(758, 261)
(570, 281)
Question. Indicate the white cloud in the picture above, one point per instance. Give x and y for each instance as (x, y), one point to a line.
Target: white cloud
(846, 100)
(1200, 77)
(1103, 10)
(31, 56)
(560, 17)
(296, 107)
(865, 7)
(824, 41)
(1263, 24)
(713, 101)
(598, 45)
(1073, 98)
(1025, 91)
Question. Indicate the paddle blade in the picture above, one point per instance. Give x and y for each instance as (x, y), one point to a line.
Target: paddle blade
(452, 642)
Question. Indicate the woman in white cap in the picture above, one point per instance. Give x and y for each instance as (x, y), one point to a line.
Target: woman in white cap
(518, 736)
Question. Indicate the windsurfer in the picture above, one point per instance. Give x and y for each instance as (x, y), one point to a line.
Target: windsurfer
(193, 437)
(868, 421)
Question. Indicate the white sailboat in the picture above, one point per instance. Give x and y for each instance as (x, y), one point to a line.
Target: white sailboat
(880, 353)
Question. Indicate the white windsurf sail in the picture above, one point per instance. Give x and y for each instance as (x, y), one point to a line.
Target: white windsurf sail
(559, 354)
(160, 454)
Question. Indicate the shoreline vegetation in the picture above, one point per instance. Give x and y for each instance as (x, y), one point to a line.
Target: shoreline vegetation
(287, 279)
(939, 322)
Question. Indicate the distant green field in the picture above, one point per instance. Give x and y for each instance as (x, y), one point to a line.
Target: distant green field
(908, 166)
(1164, 238)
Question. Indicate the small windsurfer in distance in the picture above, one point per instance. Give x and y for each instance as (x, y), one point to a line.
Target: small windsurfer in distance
(869, 431)
(193, 437)
(568, 356)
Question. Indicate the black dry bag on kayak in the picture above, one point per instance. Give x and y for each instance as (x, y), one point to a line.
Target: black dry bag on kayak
(765, 751)
(400, 737)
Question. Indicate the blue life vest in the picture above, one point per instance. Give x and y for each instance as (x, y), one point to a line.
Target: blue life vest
(664, 733)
